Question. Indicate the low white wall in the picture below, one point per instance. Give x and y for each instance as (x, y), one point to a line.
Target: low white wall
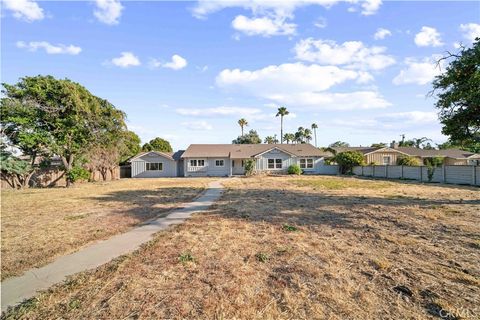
(468, 175)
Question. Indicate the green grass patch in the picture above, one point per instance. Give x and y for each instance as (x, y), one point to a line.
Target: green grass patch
(289, 228)
(186, 257)
(262, 257)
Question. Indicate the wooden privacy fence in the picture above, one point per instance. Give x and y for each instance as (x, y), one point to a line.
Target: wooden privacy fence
(468, 175)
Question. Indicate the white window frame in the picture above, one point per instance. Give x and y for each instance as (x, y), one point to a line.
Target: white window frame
(219, 166)
(389, 160)
(306, 165)
(275, 164)
(148, 164)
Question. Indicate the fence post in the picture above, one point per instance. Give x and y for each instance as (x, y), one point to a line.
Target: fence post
(386, 171)
(421, 173)
(474, 175)
(362, 171)
(402, 172)
(373, 171)
(444, 173)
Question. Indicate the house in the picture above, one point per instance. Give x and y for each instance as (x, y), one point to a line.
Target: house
(201, 160)
(389, 155)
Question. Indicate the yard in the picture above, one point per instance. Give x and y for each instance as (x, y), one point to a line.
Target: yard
(292, 248)
(41, 224)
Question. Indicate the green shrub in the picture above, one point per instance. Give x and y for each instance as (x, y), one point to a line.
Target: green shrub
(408, 161)
(349, 159)
(78, 174)
(432, 164)
(290, 228)
(294, 169)
(186, 257)
(262, 257)
(249, 167)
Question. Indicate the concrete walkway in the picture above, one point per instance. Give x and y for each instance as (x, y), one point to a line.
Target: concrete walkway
(15, 290)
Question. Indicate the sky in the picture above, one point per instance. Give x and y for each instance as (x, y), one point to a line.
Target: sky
(187, 71)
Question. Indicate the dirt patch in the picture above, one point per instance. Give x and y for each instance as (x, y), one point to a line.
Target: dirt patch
(40, 224)
(271, 249)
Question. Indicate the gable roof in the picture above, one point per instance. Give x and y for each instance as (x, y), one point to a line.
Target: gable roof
(243, 151)
(175, 156)
(412, 151)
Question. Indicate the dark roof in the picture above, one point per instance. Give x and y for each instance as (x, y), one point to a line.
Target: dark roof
(243, 151)
(412, 151)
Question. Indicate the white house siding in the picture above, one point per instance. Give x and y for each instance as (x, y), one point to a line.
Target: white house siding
(210, 170)
(261, 163)
(139, 167)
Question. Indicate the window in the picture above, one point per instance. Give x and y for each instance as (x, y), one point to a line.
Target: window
(386, 160)
(219, 163)
(274, 163)
(306, 163)
(197, 163)
(154, 166)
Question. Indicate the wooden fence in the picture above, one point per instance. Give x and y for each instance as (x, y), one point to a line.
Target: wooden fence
(54, 177)
(468, 175)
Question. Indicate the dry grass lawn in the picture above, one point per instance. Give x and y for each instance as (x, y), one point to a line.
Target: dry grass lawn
(40, 224)
(295, 248)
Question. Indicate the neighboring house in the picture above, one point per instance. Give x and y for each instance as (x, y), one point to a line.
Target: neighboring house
(389, 155)
(154, 164)
(201, 160)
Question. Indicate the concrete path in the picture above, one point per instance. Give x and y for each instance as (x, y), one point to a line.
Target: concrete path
(15, 290)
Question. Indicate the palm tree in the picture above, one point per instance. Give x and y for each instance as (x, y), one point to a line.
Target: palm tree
(282, 111)
(299, 135)
(242, 123)
(315, 127)
(269, 140)
(289, 137)
(307, 134)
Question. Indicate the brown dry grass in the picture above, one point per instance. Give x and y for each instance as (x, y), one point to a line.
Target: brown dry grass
(40, 224)
(398, 251)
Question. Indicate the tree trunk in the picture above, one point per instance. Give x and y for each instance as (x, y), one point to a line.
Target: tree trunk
(68, 164)
(281, 129)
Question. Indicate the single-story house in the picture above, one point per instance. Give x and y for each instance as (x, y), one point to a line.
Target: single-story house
(203, 160)
(389, 155)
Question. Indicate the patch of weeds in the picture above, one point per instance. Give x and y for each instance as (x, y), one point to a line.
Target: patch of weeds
(74, 304)
(20, 310)
(475, 245)
(186, 257)
(245, 216)
(262, 257)
(437, 309)
(289, 228)
(380, 263)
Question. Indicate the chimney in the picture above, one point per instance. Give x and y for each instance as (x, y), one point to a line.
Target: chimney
(394, 145)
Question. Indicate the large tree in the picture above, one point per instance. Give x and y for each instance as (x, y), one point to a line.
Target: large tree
(457, 91)
(338, 144)
(59, 116)
(242, 123)
(157, 144)
(282, 111)
(251, 137)
(129, 146)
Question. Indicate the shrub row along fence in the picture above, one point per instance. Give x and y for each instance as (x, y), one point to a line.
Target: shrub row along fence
(468, 175)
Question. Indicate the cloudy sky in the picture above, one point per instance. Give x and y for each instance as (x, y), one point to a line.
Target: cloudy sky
(187, 71)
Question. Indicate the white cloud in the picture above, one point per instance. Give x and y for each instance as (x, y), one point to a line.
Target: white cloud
(370, 7)
(353, 54)
(321, 23)
(176, 63)
(219, 111)
(263, 26)
(470, 31)
(419, 72)
(428, 36)
(382, 33)
(49, 48)
(410, 117)
(301, 85)
(27, 10)
(126, 59)
(197, 125)
(108, 11)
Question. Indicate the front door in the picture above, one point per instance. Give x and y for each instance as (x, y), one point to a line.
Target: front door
(237, 166)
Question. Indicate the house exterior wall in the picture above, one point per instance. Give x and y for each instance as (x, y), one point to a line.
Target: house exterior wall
(139, 166)
(209, 169)
(261, 162)
(455, 162)
(377, 157)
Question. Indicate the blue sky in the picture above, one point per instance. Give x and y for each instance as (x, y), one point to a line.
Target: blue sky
(187, 71)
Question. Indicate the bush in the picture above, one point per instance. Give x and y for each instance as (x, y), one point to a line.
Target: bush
(294, 169)
(249, 167)
(432, 164)
(78, 174)
(349, 159)
(408, 161)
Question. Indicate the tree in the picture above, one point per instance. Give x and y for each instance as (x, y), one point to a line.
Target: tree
(432, 164)
(349, 159)
(378, 145)
(314, 128)
(307, 135)
(300, 135)
(408, 161)
(339, 144)
(242, 123)
(269, 140)
(282, 111)
(458, 95)
(157, 144)
(462, 145)
(67, 118)
(289, 137)
(414, 142)
(251, 137)
(15, 171)
(129, 146)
